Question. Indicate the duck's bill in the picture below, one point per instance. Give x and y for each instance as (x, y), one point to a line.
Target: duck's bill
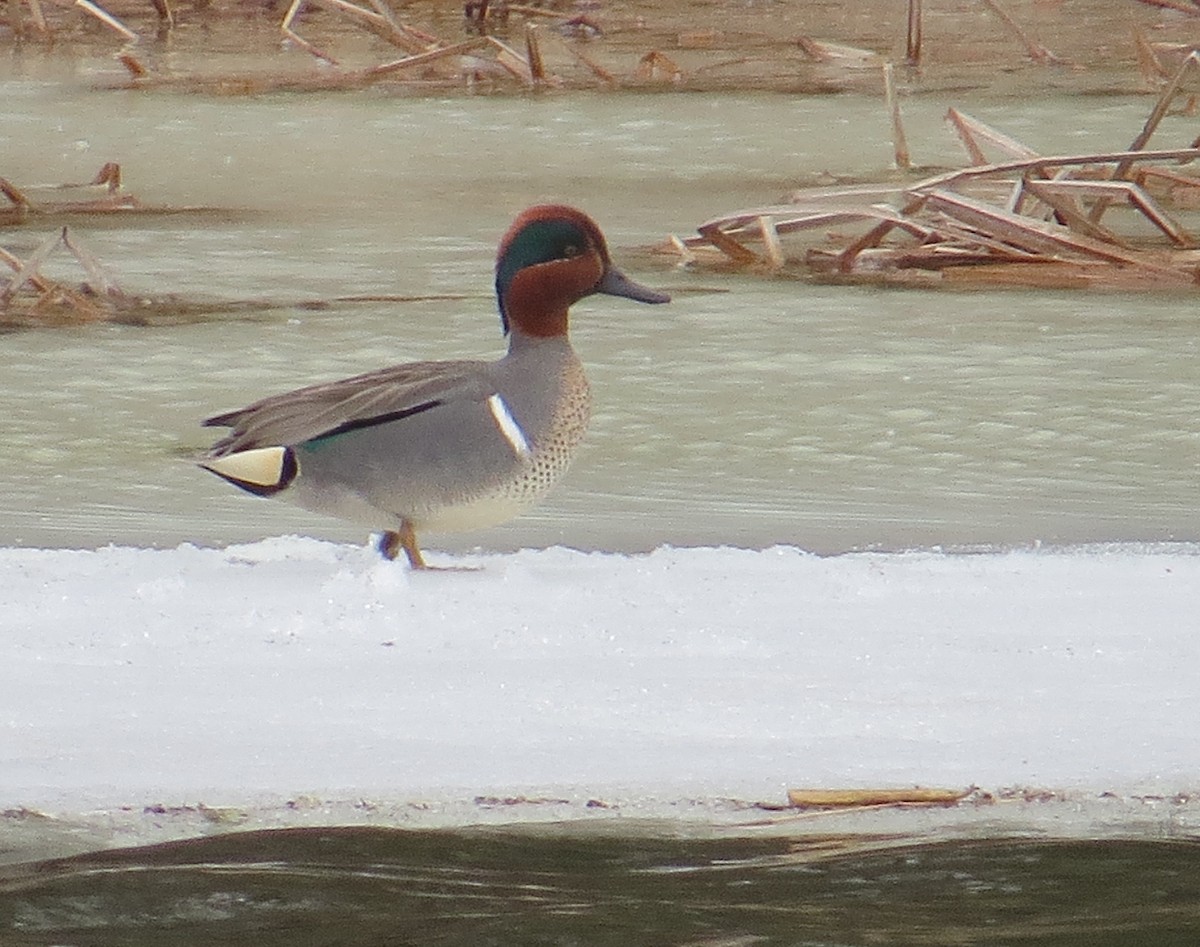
(616, 283)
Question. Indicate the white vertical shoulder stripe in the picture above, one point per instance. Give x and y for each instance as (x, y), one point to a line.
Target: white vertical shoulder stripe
(508, 426)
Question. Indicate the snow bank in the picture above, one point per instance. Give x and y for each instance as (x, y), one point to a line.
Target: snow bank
(296, 666)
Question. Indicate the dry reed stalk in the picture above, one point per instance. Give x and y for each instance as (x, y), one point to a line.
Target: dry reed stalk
(1190, 62)
(1037, 237)
(960, 238)
(686, 256)
(512, 61)
(1055, 274)
(99, 281)
(821, 51)
(840, 798)
(657, 66)
(164, 11)
(421, 59)
(1043, 164)
(27, 270)
(876, 235)
(899, 141)
(1121, 172)
(132, 64)
(1067, 210)
(913, 43)
(597, 70)
(1110, 192)
(400, 35)
(39, 18)
(971, 132)
(13, 193)
(1180, 189)
(813, 49)
(15, 263)
(1149, 64)
(1037, 52)
(382, 24)
(533, 53)
(770, 239)
(285, 27)
(840, 194)
(727, 245)
(107, 19)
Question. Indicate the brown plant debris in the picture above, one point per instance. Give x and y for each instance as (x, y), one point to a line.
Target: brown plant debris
(103, 195)
(29, 298)
(1025, 220)
(861, 798)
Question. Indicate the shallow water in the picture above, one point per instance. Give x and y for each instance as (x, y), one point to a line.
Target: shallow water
(368, 886)
(750, 411)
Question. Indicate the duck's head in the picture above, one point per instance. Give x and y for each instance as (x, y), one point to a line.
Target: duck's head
(551, 257)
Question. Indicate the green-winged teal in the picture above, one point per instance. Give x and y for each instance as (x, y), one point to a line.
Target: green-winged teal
(443, 445)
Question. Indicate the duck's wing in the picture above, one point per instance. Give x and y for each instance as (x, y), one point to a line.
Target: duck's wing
(323, 410)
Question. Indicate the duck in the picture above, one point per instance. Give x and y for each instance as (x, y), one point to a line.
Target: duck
(443, 446)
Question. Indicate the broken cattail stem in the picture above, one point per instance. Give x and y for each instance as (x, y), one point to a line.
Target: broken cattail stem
(285, 27)
(512, 61)
(971, 131)
(165, 13)
(308, 47)
(899, 142)
(1149, 64)
(39, 18)
(599, 71)
(292, 11)
(16, 263)
(875, 797)
(656, 65)
(1037, 52)
(133, 64)
(913, 47)
(770, 238)
(533, 52)
(1121, 171)
(13, 193)
(99, 281)
(1160, 109)
(1044, 163)
(421, 59)
(27, 270)
(383, 24)
(686, 256)
(107, 19)
(387, 16)
(727, 245)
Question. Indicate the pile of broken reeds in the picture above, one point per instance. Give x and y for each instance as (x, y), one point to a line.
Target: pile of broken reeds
(1028, 220)
(31, 298)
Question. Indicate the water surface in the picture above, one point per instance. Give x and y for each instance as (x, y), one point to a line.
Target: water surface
(750, 411)
(369, 886)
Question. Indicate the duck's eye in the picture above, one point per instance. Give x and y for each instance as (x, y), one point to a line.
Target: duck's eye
(571, 250)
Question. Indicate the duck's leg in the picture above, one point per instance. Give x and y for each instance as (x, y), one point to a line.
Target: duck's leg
(393, 540)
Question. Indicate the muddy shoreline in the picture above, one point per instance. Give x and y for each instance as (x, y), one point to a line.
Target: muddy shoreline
(1045, 46)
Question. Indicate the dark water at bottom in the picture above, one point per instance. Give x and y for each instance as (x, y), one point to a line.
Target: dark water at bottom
(358, 886)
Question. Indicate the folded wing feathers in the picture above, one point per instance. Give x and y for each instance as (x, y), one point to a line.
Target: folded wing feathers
(306, 413)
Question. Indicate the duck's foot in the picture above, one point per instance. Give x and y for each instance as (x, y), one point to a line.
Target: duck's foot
(393, 540)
